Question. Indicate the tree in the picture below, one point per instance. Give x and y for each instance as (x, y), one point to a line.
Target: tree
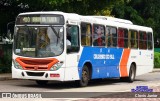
(149, 10)
(141, 12)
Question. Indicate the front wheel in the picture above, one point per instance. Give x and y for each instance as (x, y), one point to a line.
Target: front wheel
(85, 77)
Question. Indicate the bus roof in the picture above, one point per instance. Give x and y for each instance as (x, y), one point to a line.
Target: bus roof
(43, 12)
(105, 20)
(114, 19)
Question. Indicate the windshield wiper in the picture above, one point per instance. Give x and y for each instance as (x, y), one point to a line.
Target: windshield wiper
(57, 34)
(27, 29)
(29, 33)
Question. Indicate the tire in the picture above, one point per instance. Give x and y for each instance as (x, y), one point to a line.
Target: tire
(41, 82)
(85, 77)
(132, 74)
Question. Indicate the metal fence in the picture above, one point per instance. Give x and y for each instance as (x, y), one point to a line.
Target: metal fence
(156, 49)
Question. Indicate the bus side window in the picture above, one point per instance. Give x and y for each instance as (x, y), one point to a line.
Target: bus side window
(150, 45)
(114, 36)
(125, 38)
(72, 38)
(120, 37)
(133, 39)
(142, 40)
(145, 41)
(99, 35)
(136, 39)
(86, 34)
(111, 36)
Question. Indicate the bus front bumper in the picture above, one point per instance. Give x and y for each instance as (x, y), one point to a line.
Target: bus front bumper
(38, 75)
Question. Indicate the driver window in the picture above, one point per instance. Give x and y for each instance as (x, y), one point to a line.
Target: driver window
(72, 38)
(43, 38)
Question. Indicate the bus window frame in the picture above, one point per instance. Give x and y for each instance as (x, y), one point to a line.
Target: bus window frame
(114, 37)
(73, 52)
(137, 38)
(93, 34)
(142, 40)
(151, 40)
(123, 37)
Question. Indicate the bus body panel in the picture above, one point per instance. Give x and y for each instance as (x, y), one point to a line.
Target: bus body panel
(115, 62)
(143, 60)
(71, 70)
(105, 61)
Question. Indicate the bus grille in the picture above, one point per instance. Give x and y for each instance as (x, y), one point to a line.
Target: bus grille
(35, 74)
(36, 68)
(36, 64)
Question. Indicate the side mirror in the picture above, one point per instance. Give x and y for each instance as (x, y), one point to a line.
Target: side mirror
(9, 35)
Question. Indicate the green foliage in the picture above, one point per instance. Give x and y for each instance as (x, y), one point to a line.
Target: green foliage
(141, 12)
(156, 60)
(6, 59)
(5, 69)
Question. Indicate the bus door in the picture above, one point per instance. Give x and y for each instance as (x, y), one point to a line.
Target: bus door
(72, 49)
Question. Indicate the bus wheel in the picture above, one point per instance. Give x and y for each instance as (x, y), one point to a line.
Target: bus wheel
(131, 77)
(41, 82)
(85, 77)
(132, 73)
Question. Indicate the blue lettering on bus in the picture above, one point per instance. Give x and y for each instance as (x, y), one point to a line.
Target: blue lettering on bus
(104, 61)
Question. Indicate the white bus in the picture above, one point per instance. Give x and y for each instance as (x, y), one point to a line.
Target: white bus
(62, 46)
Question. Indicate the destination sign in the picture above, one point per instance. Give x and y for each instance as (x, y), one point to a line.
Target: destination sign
(40, 19)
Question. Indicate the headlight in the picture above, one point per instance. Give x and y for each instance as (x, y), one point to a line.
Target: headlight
(17, 65)
(57, 66)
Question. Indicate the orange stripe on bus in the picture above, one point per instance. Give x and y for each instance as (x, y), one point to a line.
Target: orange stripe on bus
(123, 63)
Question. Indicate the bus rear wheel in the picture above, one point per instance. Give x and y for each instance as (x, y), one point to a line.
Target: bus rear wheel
(42, 82)
(132, 74)
(85, 77)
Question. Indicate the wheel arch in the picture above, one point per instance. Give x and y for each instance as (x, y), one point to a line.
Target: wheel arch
(89, 66)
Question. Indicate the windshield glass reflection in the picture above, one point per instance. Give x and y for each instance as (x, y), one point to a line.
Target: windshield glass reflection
(39, 41)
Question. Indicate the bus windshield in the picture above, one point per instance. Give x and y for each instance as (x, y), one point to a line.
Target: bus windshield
(39, 41)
